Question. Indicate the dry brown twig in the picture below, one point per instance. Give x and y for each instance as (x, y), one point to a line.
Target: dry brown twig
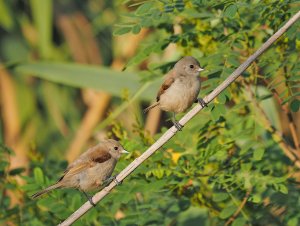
(239, 209)
(172, 131)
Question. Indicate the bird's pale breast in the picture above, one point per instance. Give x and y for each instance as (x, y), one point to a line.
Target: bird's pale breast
(180, 95)
(93, 177)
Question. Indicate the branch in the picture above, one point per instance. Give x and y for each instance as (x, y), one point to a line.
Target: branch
(172, 131)
(239, 209)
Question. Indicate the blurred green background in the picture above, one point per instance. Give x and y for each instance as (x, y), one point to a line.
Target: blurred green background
(73, 72)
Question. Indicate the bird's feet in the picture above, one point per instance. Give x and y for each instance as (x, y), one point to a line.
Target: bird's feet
(116, 180)
(112, 178)
(91, 201)
(177, 125)
(202, 102)
(90, 198)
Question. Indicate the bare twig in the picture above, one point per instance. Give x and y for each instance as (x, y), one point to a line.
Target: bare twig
(172, 131)
(239, 209)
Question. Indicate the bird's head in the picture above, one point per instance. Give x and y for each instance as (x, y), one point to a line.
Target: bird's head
(115, 148)
(188, 65)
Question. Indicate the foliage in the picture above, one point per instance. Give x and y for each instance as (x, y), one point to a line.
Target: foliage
(231, 150)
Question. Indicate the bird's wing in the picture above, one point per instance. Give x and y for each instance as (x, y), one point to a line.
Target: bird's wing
(95, 156)
(170, 78)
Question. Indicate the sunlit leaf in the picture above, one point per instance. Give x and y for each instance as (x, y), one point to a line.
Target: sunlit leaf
(86, 76)
(38, 175)
(258, 154)
(227, 212)
(230, 10)
(122, 30)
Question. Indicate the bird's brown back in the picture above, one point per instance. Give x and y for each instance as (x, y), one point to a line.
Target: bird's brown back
(169, 80)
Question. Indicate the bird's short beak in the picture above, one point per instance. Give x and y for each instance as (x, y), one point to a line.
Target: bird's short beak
(200, 69)
(124, 152)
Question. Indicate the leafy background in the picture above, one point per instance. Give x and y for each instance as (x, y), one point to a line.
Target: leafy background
(73, 72)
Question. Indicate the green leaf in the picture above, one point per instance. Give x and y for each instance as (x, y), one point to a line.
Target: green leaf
(169, 8)
(239, 222)
(93, 77)
(295, 105)
(282, 188)
(246, 167)
(222, 98)
(219, 197)
(47, 202)
(179, 5)
(146, 22)
(38, 175)
(156, 15)
(217, 111)
(30, 187)
(137, 59)
(136, 29)
(255, 198)
(222, 109)
(258, 154)
(16, 171)
(144, 8)
(227, 212)
(233, 60)
(159, 172)
(293, 221)
(42, 15)
(122, 30)
(6, 19)
(230, 11)
(215, 114)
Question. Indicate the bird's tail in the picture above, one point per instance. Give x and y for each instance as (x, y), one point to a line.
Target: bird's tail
(50, 188)
(150, 107)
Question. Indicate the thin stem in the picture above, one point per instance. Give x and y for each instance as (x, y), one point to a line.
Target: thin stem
(239, 209)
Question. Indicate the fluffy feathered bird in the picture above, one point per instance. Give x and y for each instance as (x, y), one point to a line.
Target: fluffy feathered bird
(180, 88)
(91, 169)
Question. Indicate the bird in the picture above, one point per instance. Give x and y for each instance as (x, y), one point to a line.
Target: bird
(180, 89)
(90, 170)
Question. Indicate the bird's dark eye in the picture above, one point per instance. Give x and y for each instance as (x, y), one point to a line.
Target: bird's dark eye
(116, 148)
(191, 66)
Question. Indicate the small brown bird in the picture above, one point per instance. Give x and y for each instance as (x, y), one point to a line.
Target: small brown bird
(91, 169)
(180, 88)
